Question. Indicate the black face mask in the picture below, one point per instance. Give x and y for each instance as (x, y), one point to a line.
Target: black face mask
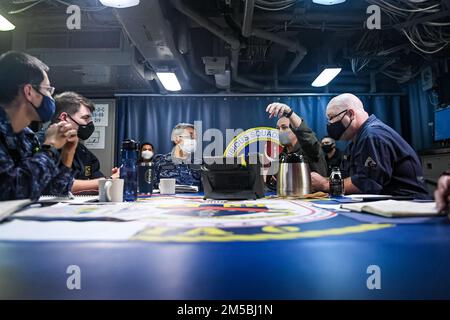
(337, 129)
(84, 130)
(327, 148)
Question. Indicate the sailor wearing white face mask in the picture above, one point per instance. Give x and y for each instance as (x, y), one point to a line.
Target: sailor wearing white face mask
(178, 163)
(146, 152)
(187, 147)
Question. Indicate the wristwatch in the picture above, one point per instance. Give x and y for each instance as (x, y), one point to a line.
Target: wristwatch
(51, 151)
(288, 114)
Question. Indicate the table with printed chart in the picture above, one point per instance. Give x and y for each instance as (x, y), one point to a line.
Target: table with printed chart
(185, 247)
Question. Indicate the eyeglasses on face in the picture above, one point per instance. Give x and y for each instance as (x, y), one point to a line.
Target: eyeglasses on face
(337, 115)
(50, 90)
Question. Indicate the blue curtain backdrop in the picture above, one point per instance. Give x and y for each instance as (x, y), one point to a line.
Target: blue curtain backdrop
(150, 118)
(421, 115)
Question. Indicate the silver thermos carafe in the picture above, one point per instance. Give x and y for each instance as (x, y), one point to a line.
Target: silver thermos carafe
(294, 176)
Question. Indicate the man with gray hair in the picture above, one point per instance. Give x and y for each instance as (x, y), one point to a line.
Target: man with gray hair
(178, 163)
(184, 138)
(377, 160)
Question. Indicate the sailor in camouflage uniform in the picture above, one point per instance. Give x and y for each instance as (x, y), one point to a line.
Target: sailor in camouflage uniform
(28, 169)
(178, 163)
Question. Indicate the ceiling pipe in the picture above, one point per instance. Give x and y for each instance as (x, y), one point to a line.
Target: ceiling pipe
(234, 43)
(355, 18)
(309, 89)
(197, 70)
(294, 63)
(296, 76)
(292, 46)
(208, 25)
(235, 73)
(248, 18)
(186, 48)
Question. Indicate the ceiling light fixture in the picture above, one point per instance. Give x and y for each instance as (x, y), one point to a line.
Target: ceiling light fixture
(5, 25)
(169, 80)
(328, 2)
(119, 3)
(326, 76)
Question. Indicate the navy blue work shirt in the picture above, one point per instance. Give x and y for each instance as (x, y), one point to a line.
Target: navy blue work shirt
(85, 164)
(380, 161)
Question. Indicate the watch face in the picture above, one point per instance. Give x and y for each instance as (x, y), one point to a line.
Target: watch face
(47, 146)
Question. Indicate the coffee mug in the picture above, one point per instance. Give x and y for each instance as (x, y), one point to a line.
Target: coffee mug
(167, 186)
(110, 190)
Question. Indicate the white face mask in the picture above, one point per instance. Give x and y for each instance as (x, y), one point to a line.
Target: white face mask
(188, 145)
(147, 154)
(284, 138)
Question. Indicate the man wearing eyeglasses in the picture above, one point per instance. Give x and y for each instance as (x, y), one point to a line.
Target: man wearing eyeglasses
(377, 160)
(28, 169)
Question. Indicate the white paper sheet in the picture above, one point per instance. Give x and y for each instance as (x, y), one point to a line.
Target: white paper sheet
(367, 196)
(97, 139)
(18, 230)
(8, 207)
(393, 208)
(187, 213)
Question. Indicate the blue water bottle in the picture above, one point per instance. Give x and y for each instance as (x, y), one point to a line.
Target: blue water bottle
(128, 169)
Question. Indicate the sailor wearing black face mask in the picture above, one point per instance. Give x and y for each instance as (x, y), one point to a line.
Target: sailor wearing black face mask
(377, 160)
(333, 155)
(76, 109)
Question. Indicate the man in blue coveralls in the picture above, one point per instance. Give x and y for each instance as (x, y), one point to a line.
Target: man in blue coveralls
(28, 169)
(377, 160)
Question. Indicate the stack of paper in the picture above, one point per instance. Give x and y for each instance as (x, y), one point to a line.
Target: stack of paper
(182, 188)
(69, 231)
(9, 207)
(393, 208)
(69, 199)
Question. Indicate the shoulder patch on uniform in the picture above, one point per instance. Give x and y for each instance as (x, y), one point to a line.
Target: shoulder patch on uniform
(370, 163)
(87, 171)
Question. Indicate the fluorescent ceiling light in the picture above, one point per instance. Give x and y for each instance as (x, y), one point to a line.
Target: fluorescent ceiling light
(119, 3)
(169, 81)
(328, 2)
(326, 76)
(5, 25)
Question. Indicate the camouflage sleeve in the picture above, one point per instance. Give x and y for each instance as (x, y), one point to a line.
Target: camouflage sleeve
(312, 148)
(156, 169)
(26, 179)
(62, 183)
(308, 140)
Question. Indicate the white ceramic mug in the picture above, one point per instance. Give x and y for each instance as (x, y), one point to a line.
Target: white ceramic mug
(167, 186)
(110, 190)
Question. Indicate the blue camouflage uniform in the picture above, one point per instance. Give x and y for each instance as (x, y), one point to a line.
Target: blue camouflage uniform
(185, 173)
(25, 172)
(380, 161)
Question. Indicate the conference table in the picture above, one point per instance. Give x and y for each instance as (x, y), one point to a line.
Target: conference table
(316, 254)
